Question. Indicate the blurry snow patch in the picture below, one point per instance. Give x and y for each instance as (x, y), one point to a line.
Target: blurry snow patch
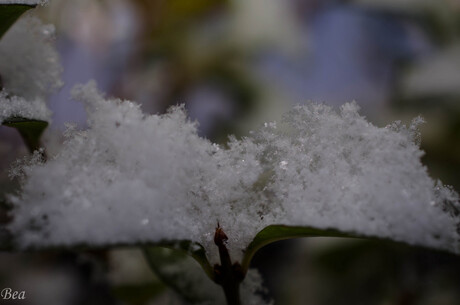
(15, 106)
(26, 2)
(318, 167)
(437, 76)
(252, 289)
(29, 62)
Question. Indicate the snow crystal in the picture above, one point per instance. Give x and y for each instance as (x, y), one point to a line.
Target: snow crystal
(319, 168)
(29, 63)
(15, 106)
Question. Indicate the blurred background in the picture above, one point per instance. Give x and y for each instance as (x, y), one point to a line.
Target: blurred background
(236, 64)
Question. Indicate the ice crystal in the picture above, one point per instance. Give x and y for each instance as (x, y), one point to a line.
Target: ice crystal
(132, 178)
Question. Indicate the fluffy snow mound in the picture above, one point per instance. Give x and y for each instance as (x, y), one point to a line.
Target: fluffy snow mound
(133, 178)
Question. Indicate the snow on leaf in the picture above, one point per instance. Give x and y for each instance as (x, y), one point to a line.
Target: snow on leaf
(29, 71)
(29, 63)
(15, 106)
(30, 130)
(9, 13)
(24, 2)
(28, 117)
(319, 168)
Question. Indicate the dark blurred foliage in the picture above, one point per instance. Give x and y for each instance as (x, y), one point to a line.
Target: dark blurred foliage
(169, 34)
(441, 133)
(372, 273)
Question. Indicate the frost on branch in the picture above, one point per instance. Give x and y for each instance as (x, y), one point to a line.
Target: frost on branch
(132, 178)
(29, 69)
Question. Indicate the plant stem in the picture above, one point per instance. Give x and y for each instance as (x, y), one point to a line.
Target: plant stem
(227, 275)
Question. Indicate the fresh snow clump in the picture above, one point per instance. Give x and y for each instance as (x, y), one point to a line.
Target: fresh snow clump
(336, 170)
(133, 178)
(129, 177)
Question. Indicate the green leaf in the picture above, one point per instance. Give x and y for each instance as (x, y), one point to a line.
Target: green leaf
(181, 273)
(275, 233)
(30, 130)
(9, 13)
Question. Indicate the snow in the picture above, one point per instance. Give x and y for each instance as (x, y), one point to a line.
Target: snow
(14, 106)
(134, 178)
(252, 288)
(29, 62)
(26, 2)
(30, 69)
